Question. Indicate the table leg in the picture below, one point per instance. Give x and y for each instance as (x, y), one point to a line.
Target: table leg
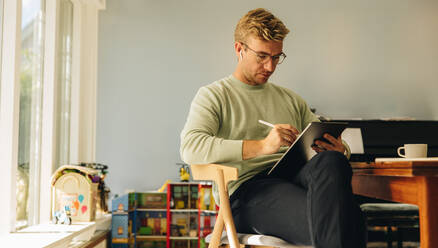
(428, 205)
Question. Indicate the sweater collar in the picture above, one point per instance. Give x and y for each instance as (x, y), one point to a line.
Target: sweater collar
(236, 82)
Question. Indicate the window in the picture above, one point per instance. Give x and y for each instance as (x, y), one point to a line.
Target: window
(44, 122)
(29, 134)
(64, 76)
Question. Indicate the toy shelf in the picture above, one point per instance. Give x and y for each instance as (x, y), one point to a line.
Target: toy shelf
(139, 220)
(180, 218)
(190, 214)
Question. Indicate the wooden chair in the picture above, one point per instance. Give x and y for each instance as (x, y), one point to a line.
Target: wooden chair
(221, 175)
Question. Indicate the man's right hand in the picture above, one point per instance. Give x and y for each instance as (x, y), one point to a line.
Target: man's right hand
(280, 135)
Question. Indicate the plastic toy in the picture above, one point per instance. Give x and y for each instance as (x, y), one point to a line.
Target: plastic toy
(62, 217)
(184, 174)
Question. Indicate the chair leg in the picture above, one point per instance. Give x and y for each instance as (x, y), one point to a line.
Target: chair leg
(217, 231)
(225, 210)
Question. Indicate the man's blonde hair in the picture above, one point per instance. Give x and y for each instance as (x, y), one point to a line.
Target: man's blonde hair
(261, 23)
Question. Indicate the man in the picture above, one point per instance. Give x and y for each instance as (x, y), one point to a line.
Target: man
(313, 206)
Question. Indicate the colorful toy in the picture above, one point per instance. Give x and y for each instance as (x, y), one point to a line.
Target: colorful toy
(184, 174)
(74, 187)
(62, 216)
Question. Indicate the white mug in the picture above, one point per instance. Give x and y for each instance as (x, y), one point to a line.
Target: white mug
(413, 151)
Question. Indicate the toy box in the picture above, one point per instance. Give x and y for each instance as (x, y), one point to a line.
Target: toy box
(124, 203)
(74, 188)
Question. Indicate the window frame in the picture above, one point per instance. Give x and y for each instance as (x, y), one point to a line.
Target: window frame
(83, 100)
(9, 108)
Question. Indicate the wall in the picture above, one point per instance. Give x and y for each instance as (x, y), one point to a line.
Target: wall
(347, 58)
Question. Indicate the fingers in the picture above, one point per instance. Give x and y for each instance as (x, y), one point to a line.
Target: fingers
(334, 145)
(332, 139)
(288, 128)
(317, 149)
(284, 138)
(285, 142)
(324, 145)
(280, 135)
(287, 133)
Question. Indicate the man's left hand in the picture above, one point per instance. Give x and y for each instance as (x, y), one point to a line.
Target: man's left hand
(333, 144)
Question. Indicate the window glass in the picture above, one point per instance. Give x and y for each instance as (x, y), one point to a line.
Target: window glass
(64, 62)
(31, 88)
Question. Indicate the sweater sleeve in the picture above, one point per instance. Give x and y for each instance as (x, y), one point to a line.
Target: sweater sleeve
(199, 141)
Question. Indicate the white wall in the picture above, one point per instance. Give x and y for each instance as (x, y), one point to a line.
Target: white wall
(347, 58)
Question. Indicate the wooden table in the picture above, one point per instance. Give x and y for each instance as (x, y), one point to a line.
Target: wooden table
(414, 182)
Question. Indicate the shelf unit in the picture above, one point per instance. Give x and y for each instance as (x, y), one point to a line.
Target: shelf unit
(139, 220)
(185, 210)
(180, 218)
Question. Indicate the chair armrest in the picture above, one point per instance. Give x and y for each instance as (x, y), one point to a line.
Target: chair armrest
(210, 172)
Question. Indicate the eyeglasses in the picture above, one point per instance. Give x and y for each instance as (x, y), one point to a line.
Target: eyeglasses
(263, 58)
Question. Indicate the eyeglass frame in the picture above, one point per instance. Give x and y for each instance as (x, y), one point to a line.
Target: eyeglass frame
(261, 55)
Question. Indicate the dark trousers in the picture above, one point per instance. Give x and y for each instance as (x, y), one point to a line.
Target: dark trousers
(315, 206)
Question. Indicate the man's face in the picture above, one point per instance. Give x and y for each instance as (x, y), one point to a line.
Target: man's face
(256, 65)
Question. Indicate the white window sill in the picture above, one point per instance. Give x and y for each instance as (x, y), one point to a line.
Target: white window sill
(54, 236)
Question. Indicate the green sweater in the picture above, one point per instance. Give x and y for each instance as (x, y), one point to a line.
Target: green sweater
(226, 112)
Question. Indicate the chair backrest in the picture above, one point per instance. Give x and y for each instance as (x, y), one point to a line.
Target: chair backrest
(210, 172)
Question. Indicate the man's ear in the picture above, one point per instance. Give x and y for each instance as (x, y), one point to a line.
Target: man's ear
(238, 49)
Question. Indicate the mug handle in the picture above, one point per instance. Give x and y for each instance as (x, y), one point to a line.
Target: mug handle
(399, 151)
